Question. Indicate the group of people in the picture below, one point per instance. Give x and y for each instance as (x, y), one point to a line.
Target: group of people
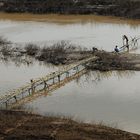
(125, 44)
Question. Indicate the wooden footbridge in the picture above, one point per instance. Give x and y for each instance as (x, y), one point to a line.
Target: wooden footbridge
(44, 85)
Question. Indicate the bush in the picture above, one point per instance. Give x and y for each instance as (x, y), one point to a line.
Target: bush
(31, 49)
(56, 53)
(6, 50)
(4, 41)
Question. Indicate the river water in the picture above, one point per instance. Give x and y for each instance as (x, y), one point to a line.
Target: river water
(112, 98)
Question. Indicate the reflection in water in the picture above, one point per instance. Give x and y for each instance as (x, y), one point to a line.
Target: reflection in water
(25, 60)
(97, 76)
(17, 61)
(16, 72)
(110, 97)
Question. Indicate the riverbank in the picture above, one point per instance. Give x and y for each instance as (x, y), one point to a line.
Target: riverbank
(64, 53)
(126, 8)
(108, 61)
(66, 19)
(22, 125)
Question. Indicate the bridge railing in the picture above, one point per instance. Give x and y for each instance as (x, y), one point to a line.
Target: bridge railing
(41, 83)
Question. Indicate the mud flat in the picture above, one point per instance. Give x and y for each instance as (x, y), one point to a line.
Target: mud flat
(115, 61)
(21, 125)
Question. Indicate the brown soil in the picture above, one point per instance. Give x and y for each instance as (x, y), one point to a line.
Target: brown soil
(18, 125)
(115, 61)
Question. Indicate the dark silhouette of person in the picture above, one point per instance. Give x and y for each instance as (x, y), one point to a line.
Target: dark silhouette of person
(116, 49)
(125, 38)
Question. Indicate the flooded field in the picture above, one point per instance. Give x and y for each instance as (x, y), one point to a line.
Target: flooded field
(109, 97)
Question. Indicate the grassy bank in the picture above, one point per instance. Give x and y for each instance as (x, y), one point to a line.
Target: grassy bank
(21, 125)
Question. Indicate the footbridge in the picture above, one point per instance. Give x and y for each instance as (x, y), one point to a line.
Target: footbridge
(44, 85)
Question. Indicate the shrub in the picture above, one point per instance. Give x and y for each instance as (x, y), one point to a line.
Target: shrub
(31, 49)
(4, 41)
(6, 50)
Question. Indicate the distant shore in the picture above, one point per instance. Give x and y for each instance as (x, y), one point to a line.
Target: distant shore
(126, 8)
(66, 19)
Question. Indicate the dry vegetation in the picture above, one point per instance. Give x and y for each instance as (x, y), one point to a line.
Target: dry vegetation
(114, 61)
(4, 41)
(63, 53)
(16, 125)
(123, 8)
(59, 53)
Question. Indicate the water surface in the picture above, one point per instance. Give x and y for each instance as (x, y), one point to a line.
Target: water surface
(111, 97)
(85, 31)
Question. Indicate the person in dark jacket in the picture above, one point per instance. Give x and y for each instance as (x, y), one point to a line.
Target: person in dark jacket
(125, 42)
(116, 49)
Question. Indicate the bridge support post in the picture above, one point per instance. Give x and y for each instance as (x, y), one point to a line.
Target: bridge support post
(29, 90)
(46, 85)
(15, 98)
(6, 105)
(59, 78)
(67, 74)
(32, 86)
(53, 81)
(77, 69)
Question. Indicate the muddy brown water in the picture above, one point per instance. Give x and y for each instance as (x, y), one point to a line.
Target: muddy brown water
(111, 98)
(85, 31)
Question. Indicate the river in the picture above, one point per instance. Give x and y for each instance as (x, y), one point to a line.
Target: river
(112, 98)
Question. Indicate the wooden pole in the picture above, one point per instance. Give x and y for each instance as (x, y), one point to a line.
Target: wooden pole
(77, 69)
(59, 78)
(45, 84)
(32, 86)
(15, 98)
(28, 92)
(6, 104)
(67, 74)
(53, 81)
